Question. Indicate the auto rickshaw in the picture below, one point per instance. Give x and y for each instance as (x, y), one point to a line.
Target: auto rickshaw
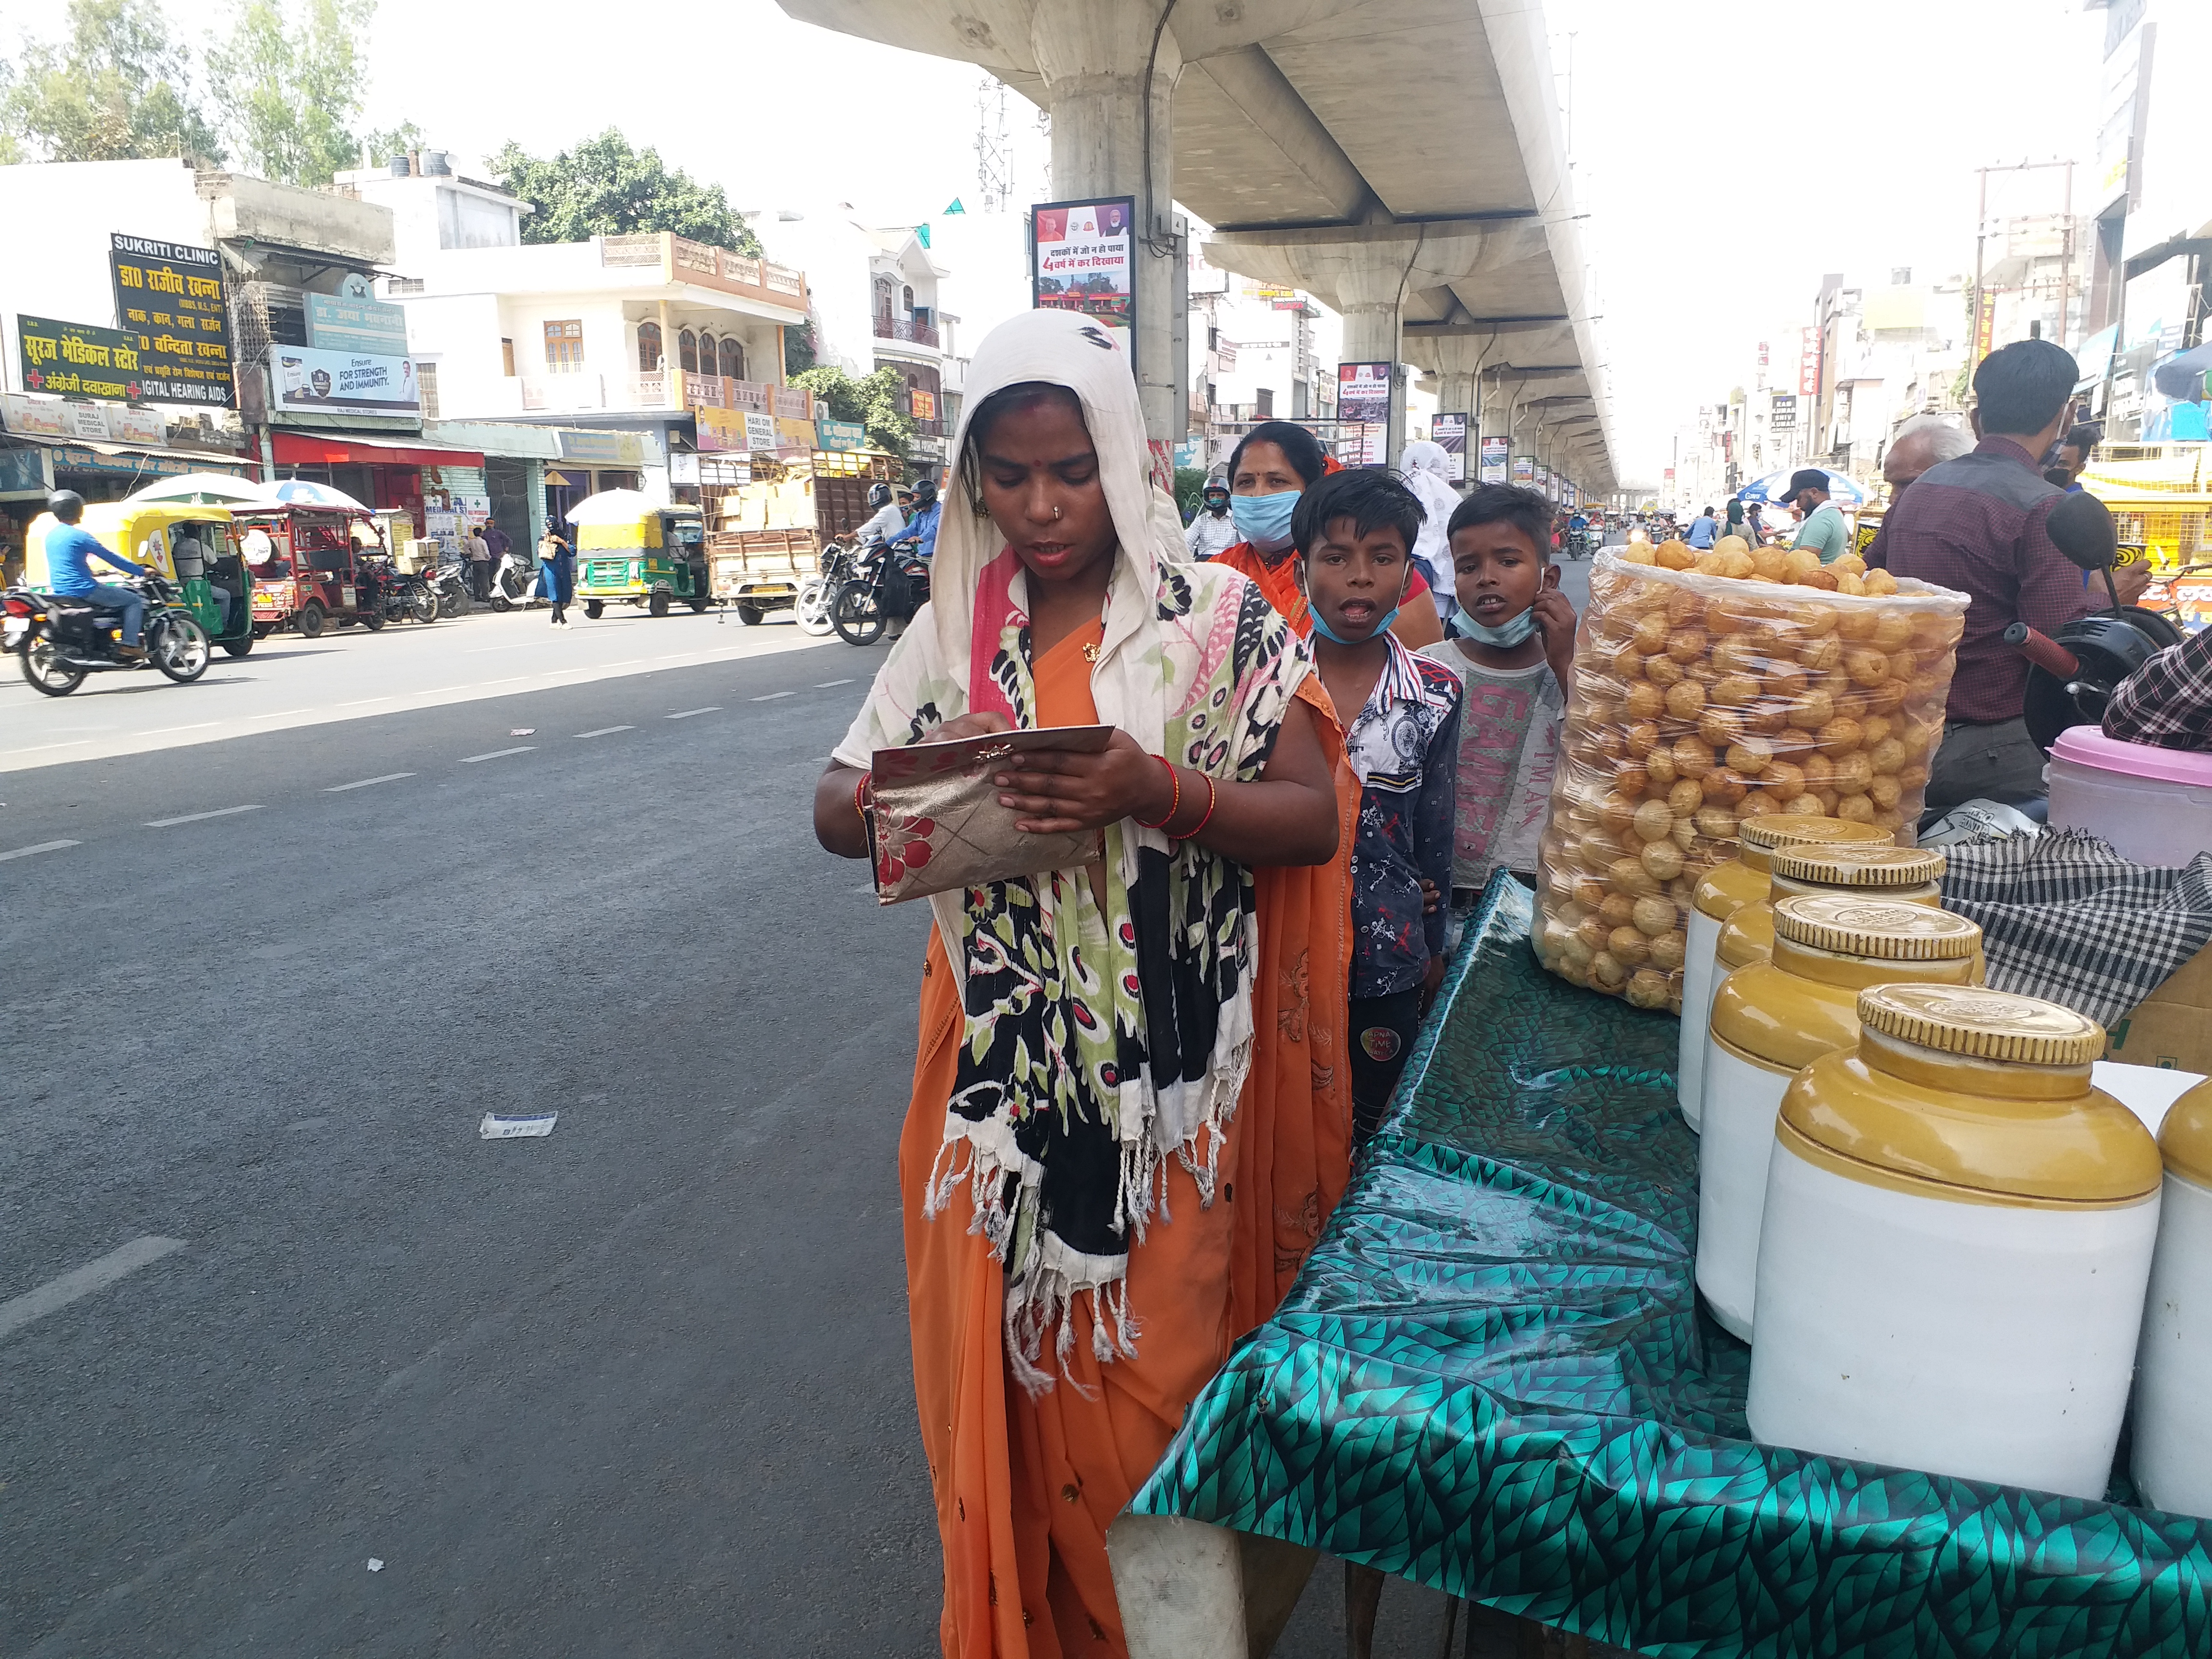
(629, 547)
(211, 575)
(307, 569)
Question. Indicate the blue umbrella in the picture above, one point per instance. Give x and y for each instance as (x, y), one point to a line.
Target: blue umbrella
(302, 492)
(1841, 490)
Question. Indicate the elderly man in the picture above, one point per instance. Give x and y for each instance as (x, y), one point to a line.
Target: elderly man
(1923, 441)
(1978, 525)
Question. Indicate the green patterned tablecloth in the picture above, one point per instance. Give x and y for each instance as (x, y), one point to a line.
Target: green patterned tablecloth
(1492, 1377)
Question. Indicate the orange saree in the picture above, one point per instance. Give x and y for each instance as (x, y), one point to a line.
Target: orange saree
(1026, 1487)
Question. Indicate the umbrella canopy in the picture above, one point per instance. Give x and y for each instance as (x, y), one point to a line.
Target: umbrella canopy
(1841, 490)
(615, 507)
(206, 489)
(301, 492)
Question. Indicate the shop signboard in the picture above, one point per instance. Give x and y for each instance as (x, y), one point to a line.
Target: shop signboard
(1448, 432)
(77, 360)
(1809, 362)
(1083, 258)
(623, 449)
(339, 322)
(309, 380)
(840, 435)
(1497, 459)
(925, 403)
(683, 467)
(794, 434)
(169, 294)
(24, 473)
(719, 430)
(760, 433)
(1363, 395)
(1783, 415)
(1524, 469)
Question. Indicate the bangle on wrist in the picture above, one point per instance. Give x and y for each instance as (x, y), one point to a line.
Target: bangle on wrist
(1212, 798)
(858, 789)
(1175, 803)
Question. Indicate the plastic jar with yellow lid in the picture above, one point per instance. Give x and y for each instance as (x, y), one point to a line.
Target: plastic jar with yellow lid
(1740, 880)
(1958, 1235)
(1769, 1020)
(2172, 1457)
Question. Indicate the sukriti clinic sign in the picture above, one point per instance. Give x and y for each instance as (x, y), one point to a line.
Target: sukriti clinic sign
(169, 296)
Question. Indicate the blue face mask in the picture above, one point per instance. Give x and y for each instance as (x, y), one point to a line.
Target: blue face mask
(1333, 636)
(1265, 520)
(1504, 636)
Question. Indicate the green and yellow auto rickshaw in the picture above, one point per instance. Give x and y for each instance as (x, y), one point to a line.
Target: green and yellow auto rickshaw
(194, 545)
(633, 549)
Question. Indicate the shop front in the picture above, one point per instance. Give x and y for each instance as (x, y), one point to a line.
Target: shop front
(592, 460)
(378, 472)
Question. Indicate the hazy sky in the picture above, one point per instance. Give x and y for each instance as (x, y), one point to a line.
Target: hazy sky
(1728, 151)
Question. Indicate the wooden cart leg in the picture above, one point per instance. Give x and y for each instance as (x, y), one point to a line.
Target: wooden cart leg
(1363, 1600)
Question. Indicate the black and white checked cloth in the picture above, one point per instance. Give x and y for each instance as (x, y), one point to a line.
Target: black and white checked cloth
(2065, 918)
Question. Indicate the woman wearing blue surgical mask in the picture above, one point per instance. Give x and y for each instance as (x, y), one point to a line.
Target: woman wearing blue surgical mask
(1276, 462)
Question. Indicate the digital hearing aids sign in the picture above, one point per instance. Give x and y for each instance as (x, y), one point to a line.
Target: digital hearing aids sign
(1083, 258)
(170, 296)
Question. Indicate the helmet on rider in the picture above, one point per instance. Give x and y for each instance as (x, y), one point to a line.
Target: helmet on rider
(879, 495)
(925, 492)
(66, 505)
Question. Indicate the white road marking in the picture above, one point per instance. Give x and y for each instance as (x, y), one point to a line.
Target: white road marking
(823, 685)
(685, 714)
(42, 847)
(496, 754)
(83, 1281)
(606, 730)
(281, 714)
(362, 702)
(479, 650)
(773, 696)
(73, 742)
(164, 730)
(389, 777)
(194, 817)
(440, 690)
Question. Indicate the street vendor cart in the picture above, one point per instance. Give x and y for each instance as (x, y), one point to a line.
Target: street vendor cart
(770, 532)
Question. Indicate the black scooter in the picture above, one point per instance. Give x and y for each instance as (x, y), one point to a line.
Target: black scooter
(67, 638)
(883, 587)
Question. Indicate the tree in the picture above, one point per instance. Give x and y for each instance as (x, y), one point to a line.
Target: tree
(604, 188)
(386, 145)
(289, 91)
(1189, 491)
(877, 402)
(115, 88)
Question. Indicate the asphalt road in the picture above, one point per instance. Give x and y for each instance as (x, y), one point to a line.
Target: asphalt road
(272, 1312)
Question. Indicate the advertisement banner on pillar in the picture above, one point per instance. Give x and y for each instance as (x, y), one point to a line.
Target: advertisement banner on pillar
(1448, 432)
(1083, 258)
(1363, 397)
(1497, 460)
(1524, 469)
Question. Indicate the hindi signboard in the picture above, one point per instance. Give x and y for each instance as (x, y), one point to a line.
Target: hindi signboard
(1497, 460)
(341, 322)
(1448, 432)
(169, 295)
(77, 360)
(1083, 258)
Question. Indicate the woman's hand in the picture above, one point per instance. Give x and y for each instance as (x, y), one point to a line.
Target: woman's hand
(979, 724)
(1058, 791)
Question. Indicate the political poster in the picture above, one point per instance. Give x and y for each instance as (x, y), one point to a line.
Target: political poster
(1524, 469)
(169, 295)
(1497, 460)
(1448, 432)
(1363, 397)
(1083, 258)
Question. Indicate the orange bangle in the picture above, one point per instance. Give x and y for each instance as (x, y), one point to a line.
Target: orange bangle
(857, 790)
(1175, 803)
(1212, 798)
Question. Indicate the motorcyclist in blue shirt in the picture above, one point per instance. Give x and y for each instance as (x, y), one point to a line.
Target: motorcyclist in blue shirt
(70, 550)
(920, 533)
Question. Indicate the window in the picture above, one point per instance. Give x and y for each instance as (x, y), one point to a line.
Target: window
(649, 348)
(906, 299)
(564, 347)
(426, 381)
(687, 351)
(707, 344)
(507, 358)
(1267, 404)
(884, 296)
(734, 359)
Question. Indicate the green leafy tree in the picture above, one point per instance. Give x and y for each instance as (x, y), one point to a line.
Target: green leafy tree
(115, 88)
(289, 80)
(604, 188)
(798, 351)
(385, 145)
(1189, 491)
(877, 402)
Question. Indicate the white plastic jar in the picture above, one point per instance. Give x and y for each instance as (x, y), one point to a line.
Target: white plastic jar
(2171, 1460)
(1958, 1236)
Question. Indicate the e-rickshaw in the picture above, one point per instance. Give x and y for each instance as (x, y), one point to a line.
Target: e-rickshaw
(630, 548)
(307, 569)
(211, 575)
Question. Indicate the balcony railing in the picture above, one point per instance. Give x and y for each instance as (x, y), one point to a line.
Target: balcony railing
(905, 328)
(663, 389)
(683, 260)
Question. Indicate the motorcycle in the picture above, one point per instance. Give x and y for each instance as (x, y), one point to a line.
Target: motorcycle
(878, 592)
(402, 596)
(66, 638)
(449, 585)
(514, 584)
(812, 608)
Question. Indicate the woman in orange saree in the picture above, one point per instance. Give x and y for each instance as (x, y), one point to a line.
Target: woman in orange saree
(1073, 1161)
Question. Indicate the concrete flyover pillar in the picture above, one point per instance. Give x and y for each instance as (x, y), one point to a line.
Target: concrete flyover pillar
(1457, 362)
(1110, 72)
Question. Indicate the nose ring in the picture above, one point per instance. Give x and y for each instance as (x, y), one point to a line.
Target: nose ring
(1056, 512)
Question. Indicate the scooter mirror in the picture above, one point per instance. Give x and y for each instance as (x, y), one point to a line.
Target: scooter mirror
(2080, 527)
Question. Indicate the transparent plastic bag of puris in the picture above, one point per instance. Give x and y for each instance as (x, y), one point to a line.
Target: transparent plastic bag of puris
(1701, 699)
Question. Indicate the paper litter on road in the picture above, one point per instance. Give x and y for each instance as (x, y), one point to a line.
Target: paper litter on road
(495, 1127)
(376, 1565)
(523, 732)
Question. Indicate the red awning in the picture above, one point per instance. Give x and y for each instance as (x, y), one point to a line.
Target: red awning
(310, 449)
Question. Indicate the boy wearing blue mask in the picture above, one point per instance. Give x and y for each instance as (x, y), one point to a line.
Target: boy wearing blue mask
(1513, 654)
(1355, 532)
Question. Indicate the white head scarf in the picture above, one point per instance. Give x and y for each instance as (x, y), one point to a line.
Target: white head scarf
(1427, 469)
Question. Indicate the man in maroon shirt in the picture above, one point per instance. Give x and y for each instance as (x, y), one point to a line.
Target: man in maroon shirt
(1978, 525)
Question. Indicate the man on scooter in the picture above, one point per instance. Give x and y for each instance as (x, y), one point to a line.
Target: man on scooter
(70, 549)
(888, 521)
(921, 532)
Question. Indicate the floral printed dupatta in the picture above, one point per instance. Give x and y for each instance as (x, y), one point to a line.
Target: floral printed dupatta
(1098, 1039)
